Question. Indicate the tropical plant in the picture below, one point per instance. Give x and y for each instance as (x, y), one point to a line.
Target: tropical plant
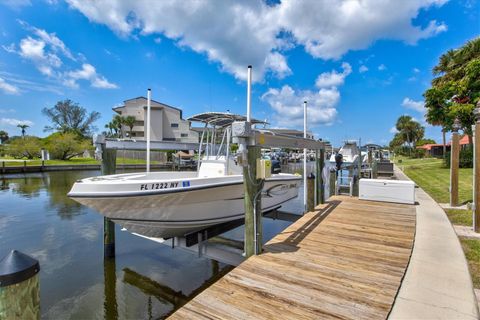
(408, 133)
(24, 128)
(129, 121)
(456, 88)
(3, 136)
(69, 116)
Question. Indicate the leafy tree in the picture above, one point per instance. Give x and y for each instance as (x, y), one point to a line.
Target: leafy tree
(65, 146)
(456, 88)
(422, 142)
(129, 121)
(24, 128)
(3, 136)
(28, 147)
(68, 116)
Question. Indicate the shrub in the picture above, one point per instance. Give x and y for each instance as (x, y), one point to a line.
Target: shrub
(28, 147)
(64, 146)
(466, 158)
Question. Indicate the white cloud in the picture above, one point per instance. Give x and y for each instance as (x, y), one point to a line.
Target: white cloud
(363, 69)
(416, 70)
(382, 67)
(26, 85)
(45, 50)
(333, 78)
(287, 103)
(157, 40)
(8, 88)
(393, 130)
(414, 105)
(88, 72)
(14, 122)
(4, 111)
(288, 106)
(240, 33)
(16, 4)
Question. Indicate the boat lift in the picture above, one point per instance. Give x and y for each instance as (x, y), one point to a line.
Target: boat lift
(250, 140)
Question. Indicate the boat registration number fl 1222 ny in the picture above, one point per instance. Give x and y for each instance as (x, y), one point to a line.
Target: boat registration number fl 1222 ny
(158, 186)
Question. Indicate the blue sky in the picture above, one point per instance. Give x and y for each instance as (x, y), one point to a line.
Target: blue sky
(360, 64)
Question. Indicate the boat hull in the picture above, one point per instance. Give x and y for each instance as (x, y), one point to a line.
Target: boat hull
(176, 212)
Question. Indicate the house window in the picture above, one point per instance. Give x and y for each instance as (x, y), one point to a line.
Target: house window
(174, 125)
(184, 135)
(168, 139)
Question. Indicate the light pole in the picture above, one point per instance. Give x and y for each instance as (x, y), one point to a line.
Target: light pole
(454, 164)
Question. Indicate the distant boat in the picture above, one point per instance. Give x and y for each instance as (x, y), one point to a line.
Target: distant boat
(349, 152)
(168, 204)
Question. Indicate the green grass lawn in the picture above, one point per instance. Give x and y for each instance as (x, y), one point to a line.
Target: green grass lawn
(9, 162)
(471, 247)
(430, 175)
(460, 217)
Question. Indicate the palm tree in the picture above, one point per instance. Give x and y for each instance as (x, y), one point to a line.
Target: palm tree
(410, 130)
(3, 136)
(118, 123)
(23, 127)
(129, 121)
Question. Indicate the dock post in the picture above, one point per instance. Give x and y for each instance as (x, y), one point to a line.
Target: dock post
(253, 228)
(19, 287)
(320, 187)
(310, 192)
(476, 183)
(454, 164)
(374, 169)
(109, 159)
(333, 183)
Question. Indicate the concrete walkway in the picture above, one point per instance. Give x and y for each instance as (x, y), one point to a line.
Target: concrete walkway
(437, 284)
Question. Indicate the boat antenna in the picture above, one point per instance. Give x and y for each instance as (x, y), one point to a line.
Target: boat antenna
(149, 93)
(249, 93)
(305, 157)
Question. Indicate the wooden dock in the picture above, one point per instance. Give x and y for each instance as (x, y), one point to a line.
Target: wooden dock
(345, 260)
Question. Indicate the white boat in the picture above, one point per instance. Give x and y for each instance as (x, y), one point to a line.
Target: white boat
(168, 204)
(349, 152)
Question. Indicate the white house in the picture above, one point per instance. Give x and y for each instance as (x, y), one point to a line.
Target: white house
(167, 123)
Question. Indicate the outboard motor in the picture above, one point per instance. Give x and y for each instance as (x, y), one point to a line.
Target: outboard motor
(338, 160)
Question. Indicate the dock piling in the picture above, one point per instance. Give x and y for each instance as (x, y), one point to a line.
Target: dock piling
(108, 166)
(454, 164)
(19, 287)
(253, 205)
(476, 168)
(320, 187)
(310, 192)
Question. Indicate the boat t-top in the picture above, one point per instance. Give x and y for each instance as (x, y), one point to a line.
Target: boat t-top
(169, 204)
(350, 153)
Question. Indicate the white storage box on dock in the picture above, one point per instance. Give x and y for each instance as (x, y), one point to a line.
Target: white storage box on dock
(387, 190)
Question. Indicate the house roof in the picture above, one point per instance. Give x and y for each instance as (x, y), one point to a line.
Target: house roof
(463, 141)
(143, 98)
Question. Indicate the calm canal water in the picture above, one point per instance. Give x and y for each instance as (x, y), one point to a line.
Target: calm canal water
(146, 280)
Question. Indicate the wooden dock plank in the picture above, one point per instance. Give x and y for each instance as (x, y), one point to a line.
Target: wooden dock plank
(345, 260)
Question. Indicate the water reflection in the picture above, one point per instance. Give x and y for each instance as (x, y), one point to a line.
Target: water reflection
(146, 280)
